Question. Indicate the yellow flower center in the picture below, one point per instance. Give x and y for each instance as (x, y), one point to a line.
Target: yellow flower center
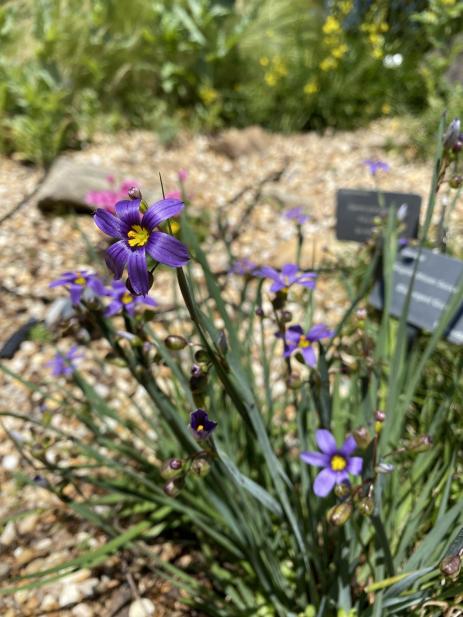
(126, 298)
(200, 428)
(338, 463)
(303, 342)
(138, 235)
(79, 280)
(174, 226)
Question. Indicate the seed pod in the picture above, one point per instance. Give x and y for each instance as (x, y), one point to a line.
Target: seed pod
(175, 342)
(260, 312)
(418, 444)
(342, 490)
(173, 487)
(202, 356)
(286, 316)
(455, 182)
(366, 506)
(339, 514)
(452, 134)
(362, 437)
(293, 381)
(380, 416)
(450, 566)
(172, 468)
(200, 467)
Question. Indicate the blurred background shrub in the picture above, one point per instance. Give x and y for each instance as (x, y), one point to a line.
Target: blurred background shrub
(70, 67)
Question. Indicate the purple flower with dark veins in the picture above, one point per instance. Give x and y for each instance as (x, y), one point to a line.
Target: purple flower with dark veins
(136, 236)
(200, 424)
(122, 299)
(337, 463)
(376, 165)
(297, 340)
(77, 282)
(296, 214)
(63, 364)
(289, 276)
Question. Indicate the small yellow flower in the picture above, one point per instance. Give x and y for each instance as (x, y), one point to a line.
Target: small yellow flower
(340, 51)
(386, 109)
(328, 64)
(376, 39)
(271, 79)
(331, 25)
(311, 87)
(383, 26)
(345, 6)
(263, 61)
(377, 53)
(208, 95)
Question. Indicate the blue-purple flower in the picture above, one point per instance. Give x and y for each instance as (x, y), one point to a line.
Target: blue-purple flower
(337, 463)
(63, 364)
(122, 299)
(298, 340)
(243, 266)
(296, 214)
(376, 165)
(289, 276)
(200, 424)
(77, 282)
(137, 236)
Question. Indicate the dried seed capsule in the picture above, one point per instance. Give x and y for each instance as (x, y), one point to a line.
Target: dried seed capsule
(342, 490)
(200, 467)
(293, 381)
(286, 316)
(455, 182)
(366, 506)
(173, 487)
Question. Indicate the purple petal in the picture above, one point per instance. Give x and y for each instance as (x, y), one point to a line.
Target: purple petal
(108, 223)
(146, 300)
(289, 270)
(167, 249)
(293, 334)
(160, 211)
(324, 483)
(128, 211)
(348, 447)
(138, 273)
(315, 458)
(278, 285)
(268, 272)
(318, 332)
(75, 292)
(116, 258)
(355, 465)
(325, 441)
(289, 348)
(309, 356)
(113, 308)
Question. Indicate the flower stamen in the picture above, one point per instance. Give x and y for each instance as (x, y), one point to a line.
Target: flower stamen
(138, 235)
(338, 463)
(303, 342)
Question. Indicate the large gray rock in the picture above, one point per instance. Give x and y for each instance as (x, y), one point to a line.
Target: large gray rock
(235, 143)
(67, 185)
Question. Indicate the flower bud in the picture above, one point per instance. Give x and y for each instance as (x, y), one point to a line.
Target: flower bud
(173, 487)
(172, 468)
(362, 437)
(366, 506)
(361, 313)
(128, 284)
(134, 192)
(380, 416)
(260, 312)
(279, 300)
(200, 467)
(175, 342)
(293, 381)
(450, 566)
(455, 182)
(339, 514)
(452, 134)
(202, 356)
(418, 444)
(286, 316)
(342, 490)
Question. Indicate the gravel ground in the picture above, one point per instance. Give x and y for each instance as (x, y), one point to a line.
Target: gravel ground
(35, 249)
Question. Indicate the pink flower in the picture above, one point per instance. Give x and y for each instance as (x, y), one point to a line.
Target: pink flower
(107, 199)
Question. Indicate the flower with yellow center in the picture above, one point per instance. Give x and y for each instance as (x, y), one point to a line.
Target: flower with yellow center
(138, 236)
(80, 280)
(338, 463)
(127, 298)
(303, 342)
(331, 25)
(311, 87)
(328, 64)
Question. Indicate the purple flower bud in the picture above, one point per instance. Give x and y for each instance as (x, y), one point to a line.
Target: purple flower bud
(260, 312)
(134, 192)
(380, 416)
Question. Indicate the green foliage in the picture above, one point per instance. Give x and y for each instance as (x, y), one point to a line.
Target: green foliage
(71, 67)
